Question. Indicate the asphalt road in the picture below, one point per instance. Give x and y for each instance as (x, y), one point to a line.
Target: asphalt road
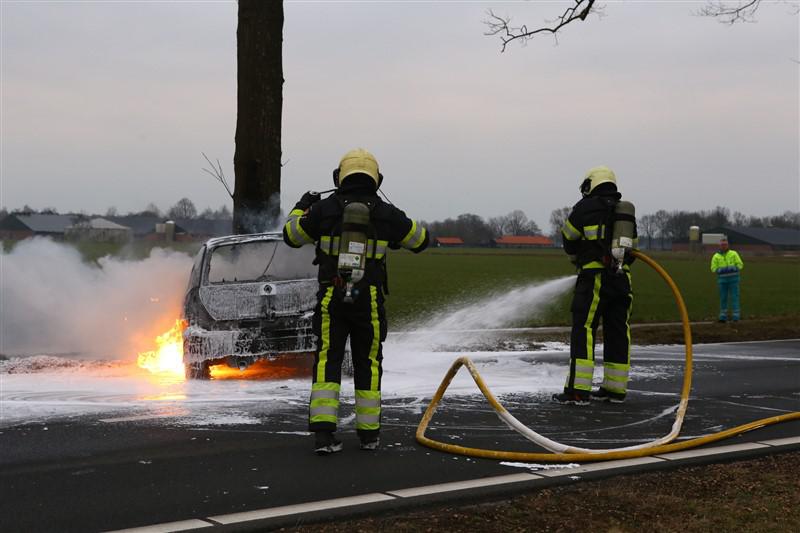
(102, 472)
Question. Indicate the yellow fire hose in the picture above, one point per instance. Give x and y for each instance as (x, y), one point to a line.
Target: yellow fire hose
(563, 453)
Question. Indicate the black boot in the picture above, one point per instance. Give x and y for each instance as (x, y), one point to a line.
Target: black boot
(603, 395)
(325, 443)
(572, 397)
(370, 442)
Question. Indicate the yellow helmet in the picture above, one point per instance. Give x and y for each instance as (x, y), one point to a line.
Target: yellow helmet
(595, 176)
(358, 161)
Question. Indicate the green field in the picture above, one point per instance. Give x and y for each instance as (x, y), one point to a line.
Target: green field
(433, 279)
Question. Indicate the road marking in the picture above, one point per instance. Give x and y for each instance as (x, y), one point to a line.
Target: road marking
(711, 451)
(183, 525)
(462, 485)
(781, 442)
(596, 467)
(749, 342)
(285, 510)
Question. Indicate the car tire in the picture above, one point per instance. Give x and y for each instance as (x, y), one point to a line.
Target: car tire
(198, 370)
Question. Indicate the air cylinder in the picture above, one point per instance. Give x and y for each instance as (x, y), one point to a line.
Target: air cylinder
(353, 242)
(624, 225)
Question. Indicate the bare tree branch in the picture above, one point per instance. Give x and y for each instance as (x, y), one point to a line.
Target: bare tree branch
(218, 174)
(501, 26)
(730, 13)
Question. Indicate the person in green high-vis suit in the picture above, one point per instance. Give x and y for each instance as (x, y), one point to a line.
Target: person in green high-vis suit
(726, 264)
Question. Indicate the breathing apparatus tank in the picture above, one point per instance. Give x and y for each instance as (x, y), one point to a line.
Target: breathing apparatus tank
(353, 246)
(623, 233)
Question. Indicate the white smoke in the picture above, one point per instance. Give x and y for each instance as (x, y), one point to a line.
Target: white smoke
(54, 303)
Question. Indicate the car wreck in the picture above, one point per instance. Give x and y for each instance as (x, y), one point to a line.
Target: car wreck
(249, 297)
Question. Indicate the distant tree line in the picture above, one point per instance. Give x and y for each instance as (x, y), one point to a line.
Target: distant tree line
(183, 209)
(660, 227)
(667, 226)
(476, 230)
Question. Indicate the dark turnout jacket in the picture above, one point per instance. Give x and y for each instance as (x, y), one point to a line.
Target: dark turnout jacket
(321, 224)
(587, 230)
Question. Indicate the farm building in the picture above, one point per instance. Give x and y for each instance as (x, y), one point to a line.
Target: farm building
(523, 241)
(441, 242)
(21, 226)
(98, 230)
(752, 240)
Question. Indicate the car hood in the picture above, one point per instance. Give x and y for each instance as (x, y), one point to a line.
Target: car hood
(236, 301)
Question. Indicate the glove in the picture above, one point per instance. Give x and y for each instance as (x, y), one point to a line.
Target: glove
(308, 199)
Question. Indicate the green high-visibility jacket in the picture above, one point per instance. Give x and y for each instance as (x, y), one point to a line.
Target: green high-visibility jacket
(726, 264)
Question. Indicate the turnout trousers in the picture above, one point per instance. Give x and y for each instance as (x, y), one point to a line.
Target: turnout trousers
(364, 322)
(607, 296)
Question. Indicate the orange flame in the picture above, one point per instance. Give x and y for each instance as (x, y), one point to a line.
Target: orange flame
(282, 368)
(167, 358)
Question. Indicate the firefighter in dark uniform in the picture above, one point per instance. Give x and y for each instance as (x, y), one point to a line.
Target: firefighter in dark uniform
(353, 310)
(602, 291)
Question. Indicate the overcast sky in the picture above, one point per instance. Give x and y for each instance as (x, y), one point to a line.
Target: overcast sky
(111, 104)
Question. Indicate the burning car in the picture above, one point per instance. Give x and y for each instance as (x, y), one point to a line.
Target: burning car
(250, 297)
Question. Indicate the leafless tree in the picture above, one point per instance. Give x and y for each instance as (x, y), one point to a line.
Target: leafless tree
(223, 213)
(184, 208)
(730, 12)
(508, 33)
(727, 12)
(648, 227)
(557, 219)
(217, 173)
(497, 225)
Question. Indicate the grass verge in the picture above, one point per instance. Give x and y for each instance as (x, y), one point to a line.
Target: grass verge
(757, 495)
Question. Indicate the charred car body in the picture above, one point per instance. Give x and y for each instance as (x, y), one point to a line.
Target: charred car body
(249, 297)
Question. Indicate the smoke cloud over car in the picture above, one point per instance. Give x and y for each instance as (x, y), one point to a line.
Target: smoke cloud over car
(56, 303)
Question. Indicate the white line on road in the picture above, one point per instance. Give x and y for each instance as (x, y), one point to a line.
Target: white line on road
(605, 465)
(781, 442)
(285, 510)
(183, 525)
(462, 485)
(688, 454)
(289, 510)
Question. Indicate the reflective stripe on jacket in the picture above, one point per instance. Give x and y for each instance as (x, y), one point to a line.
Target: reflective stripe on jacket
(586, 232)
(726, 264)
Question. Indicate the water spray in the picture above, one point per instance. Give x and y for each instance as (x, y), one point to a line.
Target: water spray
(563, 453)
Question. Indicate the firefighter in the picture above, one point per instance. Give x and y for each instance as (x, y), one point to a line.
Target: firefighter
(726, 264)
(602, 290)
(351, 254)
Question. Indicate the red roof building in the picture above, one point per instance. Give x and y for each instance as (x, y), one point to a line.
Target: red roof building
(449, 241)
(523, 241)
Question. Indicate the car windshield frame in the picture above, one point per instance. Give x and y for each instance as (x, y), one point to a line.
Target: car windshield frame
(253, 273)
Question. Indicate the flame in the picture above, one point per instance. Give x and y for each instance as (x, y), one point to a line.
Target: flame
(167, 358)
(287, 367)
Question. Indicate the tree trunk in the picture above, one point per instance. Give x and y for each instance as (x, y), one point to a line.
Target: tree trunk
(257, 161)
